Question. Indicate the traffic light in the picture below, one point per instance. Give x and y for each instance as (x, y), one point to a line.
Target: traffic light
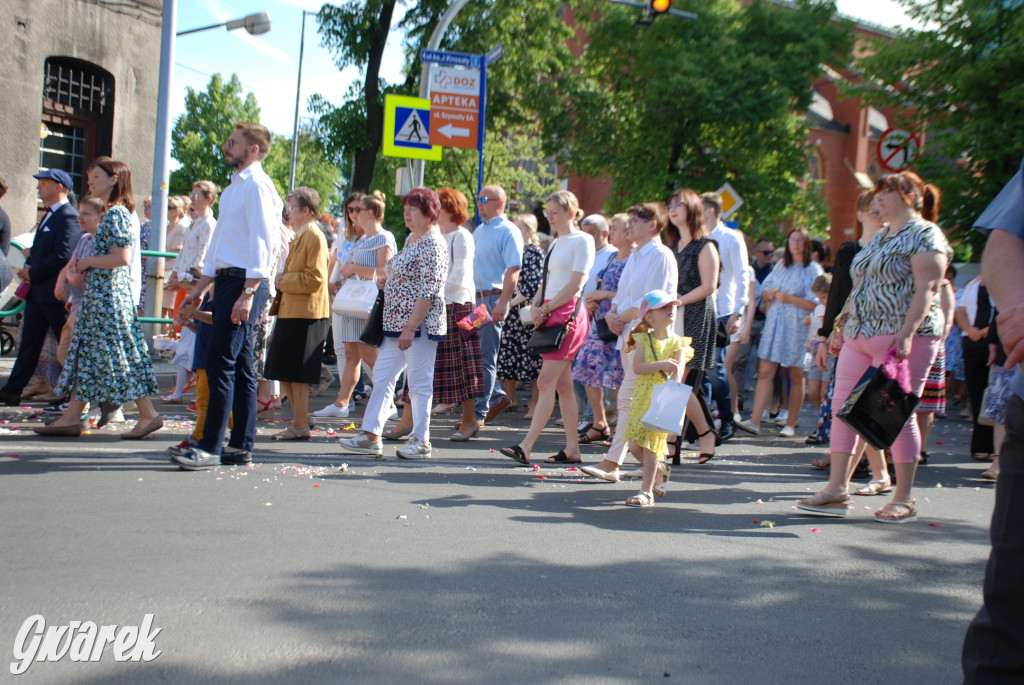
(659, 6)
(652, 9)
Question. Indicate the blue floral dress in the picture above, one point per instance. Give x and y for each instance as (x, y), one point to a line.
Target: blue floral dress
(785, 333)
(598, 364)
(108, 359)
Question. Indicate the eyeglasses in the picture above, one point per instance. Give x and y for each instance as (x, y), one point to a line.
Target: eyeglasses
(875, 213)
(675, 205)
(796, 239)
(637, 220)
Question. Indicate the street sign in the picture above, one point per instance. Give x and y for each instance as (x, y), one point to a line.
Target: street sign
(493, 54)
(898, 149)
(451, 59)
(407, 129)
(454, 107)
(731, 200)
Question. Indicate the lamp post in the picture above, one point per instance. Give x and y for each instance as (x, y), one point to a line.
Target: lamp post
(254, 24)
(298, 99)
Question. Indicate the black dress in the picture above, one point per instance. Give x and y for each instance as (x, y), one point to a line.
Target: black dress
(515, 362)
(699, 320)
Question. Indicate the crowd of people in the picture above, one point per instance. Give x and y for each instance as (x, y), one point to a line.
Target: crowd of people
(461, 318)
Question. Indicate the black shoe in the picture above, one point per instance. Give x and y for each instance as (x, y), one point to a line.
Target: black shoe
(238, 458)
(107, 411)
(330, 361)
(11, 399)
(58, 406)
(725, 433)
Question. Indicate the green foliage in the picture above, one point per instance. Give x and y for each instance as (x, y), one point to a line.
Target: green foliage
(313, 168)
(958, 80)
(198, 134)
(696, 104)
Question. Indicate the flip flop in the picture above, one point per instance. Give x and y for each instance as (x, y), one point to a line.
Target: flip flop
(515, 452)
(562, 458)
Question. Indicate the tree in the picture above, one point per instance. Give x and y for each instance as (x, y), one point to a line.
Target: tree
(356, 32)
(697, 103)
(199, 133)
(958, 79)
(313, 169)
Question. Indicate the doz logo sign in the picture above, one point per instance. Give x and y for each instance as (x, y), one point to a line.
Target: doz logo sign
(451, 80)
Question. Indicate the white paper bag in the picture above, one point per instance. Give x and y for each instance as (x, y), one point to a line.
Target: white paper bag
(667, 412)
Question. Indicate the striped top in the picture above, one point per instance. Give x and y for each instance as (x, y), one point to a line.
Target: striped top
(884, 281)
(364, 252)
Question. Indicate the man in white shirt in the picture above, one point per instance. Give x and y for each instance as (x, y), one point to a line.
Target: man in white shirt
(730, 300)
(238, 264)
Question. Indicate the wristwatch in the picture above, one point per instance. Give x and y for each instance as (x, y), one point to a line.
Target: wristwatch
(250, 291)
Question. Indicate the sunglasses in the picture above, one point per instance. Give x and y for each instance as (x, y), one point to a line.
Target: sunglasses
(484, 200)
(353, 209)
(767, 253)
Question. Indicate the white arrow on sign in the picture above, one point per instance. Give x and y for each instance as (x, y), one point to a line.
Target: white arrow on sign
(451, 131)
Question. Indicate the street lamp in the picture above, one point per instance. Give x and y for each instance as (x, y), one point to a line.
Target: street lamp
(298, 98)
(254, 24)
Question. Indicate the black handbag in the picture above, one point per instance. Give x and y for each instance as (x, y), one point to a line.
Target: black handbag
(373, 330)
(550, 338)
(604, 332)
(878, 408)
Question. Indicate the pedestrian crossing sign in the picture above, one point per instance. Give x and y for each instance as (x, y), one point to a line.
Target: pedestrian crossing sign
(407, 129)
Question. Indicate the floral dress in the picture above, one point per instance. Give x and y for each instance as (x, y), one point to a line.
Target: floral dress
(108, 359)
(515, 362)
(598, 364)
(663, 349)
(784, 332)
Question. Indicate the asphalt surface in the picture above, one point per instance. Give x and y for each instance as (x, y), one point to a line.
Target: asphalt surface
(466, 568)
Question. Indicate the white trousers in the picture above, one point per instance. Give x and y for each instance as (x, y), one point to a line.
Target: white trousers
(391, 361)
(617, 452)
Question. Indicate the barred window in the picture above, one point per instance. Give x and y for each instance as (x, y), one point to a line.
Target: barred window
(77, 84)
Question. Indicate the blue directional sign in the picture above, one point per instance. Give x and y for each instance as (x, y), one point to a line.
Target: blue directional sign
(451, 59)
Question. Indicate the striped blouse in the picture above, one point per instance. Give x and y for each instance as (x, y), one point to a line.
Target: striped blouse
(884, 281)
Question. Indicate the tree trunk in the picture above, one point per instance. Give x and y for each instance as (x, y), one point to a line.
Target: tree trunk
(366, 160)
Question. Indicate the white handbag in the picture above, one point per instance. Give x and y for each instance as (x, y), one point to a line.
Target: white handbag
(355, 298)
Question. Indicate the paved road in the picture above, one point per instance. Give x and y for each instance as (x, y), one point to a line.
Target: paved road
(468, 569)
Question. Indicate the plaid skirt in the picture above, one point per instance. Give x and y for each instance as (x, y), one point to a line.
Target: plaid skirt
(933, 398)
(458, 370)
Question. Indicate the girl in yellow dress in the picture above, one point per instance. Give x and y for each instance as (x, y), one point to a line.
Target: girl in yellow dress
(661, 355)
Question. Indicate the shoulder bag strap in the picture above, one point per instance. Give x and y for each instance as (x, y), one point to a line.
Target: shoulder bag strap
(655, 354)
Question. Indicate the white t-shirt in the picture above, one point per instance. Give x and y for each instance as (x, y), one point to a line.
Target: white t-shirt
(817, 316)
(569, 253)
(602, 258)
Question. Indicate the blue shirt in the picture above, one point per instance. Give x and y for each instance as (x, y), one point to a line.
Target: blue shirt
(1006, 213)
(499, 247)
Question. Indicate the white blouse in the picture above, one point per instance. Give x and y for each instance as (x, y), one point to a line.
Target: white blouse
(458, 288)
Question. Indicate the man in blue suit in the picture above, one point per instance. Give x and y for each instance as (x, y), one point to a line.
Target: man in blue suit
(56, 237)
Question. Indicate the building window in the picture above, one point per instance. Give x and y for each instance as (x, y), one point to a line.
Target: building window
(77, 116)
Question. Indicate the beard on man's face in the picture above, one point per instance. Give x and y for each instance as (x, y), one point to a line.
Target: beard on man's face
(235, 161)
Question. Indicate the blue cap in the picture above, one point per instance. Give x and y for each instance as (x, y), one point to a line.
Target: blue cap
(59, 175)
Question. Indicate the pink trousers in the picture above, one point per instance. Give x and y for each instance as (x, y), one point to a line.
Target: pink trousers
(857, 355)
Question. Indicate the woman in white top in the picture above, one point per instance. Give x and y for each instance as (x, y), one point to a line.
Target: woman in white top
(458, 372)
(568, 264)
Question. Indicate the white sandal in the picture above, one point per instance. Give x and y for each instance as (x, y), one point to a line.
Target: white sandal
(660, 488)
(641, 499)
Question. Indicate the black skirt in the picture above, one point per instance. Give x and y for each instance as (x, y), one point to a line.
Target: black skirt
(296, 350)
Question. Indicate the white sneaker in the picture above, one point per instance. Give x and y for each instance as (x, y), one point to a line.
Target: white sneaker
(581, 426)
(749, 427)
(765, 416)
(787, 432)
(361, 445)
(332, 411)
(414, 449)
(392, 415)
(782, 416)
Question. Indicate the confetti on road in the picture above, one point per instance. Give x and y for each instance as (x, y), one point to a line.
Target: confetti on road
(771, 524)
(815, 530)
